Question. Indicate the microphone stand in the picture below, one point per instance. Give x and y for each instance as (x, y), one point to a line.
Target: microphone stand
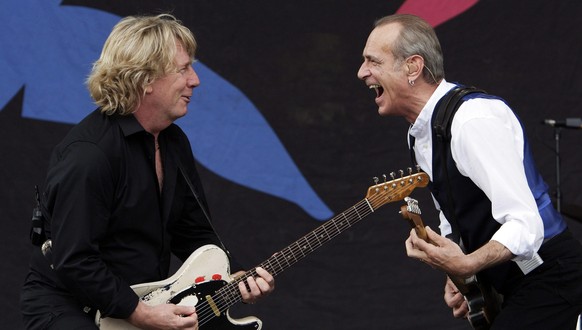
(557, 131)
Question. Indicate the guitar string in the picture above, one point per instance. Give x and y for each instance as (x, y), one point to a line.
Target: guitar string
(205, 313)
(230, 292)
(317, 234)
(231, 288)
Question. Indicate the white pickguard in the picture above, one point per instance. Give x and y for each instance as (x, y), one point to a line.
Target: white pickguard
(207, 263)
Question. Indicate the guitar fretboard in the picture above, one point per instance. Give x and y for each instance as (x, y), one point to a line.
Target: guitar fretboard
(378, 195)
(230, 294)
(315, 239)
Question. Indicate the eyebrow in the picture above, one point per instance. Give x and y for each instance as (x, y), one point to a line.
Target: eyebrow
(371, 58)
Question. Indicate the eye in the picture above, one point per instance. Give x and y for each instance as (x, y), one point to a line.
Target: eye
(185, 69)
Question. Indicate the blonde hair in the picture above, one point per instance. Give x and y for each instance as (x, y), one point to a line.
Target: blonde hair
(139, 50)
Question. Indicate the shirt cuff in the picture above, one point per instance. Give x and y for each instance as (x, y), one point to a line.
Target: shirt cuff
(518, 239)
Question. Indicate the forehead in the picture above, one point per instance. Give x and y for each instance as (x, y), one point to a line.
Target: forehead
(381, 40)
(181, 58)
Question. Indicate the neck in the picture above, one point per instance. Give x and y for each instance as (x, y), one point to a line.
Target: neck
(149, 122)
(420, 96)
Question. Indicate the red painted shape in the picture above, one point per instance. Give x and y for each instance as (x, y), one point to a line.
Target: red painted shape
(436, 12)
(199, 279)
(216, 277)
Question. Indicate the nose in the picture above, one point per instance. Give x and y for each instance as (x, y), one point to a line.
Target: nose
(363, 72)
(193, 80)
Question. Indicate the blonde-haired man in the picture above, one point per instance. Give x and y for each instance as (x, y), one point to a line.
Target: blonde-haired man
(121, 193)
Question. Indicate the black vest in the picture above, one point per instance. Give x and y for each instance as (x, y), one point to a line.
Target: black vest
(465, 206)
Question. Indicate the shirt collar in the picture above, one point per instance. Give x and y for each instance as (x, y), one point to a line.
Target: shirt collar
(129, 125)
(422, 122)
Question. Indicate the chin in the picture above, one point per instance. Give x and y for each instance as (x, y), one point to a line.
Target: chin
(181, 113)
(383, 112)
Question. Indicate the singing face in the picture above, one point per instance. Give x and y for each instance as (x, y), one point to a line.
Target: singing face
(383, 73)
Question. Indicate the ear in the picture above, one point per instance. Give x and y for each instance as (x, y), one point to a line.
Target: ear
(414, 65)
(149, 89)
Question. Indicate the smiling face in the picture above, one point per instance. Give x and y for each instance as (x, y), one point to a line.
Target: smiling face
(166, 99)
(383, 73)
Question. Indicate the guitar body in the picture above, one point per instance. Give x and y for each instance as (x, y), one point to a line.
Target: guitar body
(483, 301)
(201, 275)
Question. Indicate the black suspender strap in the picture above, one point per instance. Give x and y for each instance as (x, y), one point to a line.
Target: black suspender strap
(411, 141)
(441, 125)
(447, 107)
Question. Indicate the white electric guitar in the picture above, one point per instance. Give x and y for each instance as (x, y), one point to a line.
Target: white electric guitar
(204, 280)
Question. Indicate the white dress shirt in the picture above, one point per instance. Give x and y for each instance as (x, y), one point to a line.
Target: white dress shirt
(487, 146)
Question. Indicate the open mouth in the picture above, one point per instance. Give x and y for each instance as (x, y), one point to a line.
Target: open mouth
(378, 89)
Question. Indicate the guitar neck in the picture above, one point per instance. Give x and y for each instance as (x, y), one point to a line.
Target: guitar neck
(378, 195)
(317, 238)
(302, 247)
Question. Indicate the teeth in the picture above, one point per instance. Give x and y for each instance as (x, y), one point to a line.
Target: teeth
(377, 88)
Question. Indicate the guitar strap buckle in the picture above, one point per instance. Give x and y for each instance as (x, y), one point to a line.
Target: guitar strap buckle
(47, 251)
(527, 266)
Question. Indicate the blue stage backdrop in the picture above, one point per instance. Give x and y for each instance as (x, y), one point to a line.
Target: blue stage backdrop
(286, 136)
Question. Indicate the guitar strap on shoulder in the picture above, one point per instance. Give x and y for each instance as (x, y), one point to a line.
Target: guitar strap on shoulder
(447, 108)
(441, 125)
(202, 207)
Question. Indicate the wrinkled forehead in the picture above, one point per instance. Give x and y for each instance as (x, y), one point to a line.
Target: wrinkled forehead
(379, 44)
(383, 37)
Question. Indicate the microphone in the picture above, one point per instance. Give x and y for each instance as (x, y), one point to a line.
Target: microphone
(567, 123)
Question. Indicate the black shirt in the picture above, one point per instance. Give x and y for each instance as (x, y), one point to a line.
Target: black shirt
(109, 224)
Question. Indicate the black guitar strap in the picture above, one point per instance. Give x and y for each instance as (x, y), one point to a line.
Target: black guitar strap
(202, 207)
(441, 125)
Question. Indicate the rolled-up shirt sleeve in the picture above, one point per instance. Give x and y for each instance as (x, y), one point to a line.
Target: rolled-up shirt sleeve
(488, 146)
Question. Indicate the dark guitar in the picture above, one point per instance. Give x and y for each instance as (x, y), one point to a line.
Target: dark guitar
(484, 303)
(204, 280)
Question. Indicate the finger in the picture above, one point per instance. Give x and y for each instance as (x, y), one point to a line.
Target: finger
(455, 300)
(184, 310)
(267, 278)
(410, 250)
(461, 311)
(264, 285)
(254, 289)
(418, 243)
(435, 237)
(244, 291)
(188, 322)
(413, 250)
(238, 274)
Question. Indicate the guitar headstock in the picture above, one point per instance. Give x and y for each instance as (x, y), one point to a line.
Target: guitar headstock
(395, 189)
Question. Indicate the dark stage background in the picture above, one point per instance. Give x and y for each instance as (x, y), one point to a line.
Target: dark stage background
(297, 62)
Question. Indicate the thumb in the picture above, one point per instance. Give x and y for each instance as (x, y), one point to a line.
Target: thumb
(434, 236)
(184, 310)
